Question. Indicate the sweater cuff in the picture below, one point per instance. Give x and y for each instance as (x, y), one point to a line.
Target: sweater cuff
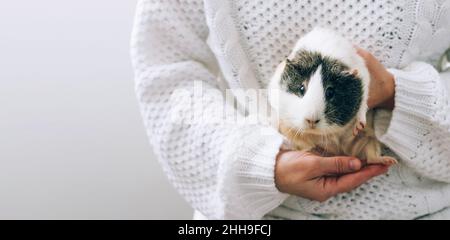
(251, 182)
(415, 103)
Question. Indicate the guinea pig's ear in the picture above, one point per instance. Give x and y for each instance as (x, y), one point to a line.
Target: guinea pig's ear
(353, 72)
(290, 66)
(289, 63)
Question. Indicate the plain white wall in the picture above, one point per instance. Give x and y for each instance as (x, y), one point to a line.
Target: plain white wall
(72, 143)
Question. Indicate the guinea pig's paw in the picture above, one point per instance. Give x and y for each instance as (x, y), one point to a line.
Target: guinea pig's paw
(355, 131)
(385, 160)
(359, 127)
(361, 121)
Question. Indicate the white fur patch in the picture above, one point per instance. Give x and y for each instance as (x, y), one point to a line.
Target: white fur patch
(295, 110)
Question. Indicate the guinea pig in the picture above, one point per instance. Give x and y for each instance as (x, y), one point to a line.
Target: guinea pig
(320, 95)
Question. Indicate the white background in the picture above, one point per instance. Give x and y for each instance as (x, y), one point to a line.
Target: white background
(72, 142)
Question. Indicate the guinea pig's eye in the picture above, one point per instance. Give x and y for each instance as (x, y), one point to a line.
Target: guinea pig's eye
(329, 93)
(302, 90)
(297, 89)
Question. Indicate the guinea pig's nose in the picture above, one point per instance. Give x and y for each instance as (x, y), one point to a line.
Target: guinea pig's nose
(312, 121)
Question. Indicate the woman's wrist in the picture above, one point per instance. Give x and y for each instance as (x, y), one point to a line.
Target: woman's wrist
(382, 83)
(388, 100)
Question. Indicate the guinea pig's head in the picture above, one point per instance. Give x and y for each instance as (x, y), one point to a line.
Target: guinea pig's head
(315, 93)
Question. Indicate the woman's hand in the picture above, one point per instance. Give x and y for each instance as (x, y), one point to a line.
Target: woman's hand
(319, 178)
(382, 84)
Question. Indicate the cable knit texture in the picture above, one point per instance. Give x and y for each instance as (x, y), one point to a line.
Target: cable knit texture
(225, 170)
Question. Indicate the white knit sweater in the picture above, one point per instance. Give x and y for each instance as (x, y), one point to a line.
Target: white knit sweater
(226, 171)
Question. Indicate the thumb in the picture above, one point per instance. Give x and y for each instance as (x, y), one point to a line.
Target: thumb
(338, 165)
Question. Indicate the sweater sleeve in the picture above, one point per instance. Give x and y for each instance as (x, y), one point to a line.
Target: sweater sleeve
(223, 169)
(418, 130)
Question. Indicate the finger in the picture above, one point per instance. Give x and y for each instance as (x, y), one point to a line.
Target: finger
(366, 55)
(337, 165)
(351, 181)
(362, 52)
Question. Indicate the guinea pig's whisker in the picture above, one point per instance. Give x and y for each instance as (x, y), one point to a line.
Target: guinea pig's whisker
(291, 131)
(297, 132)
(324, 141)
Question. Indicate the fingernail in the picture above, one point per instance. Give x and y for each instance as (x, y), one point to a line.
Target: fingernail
(355, 164)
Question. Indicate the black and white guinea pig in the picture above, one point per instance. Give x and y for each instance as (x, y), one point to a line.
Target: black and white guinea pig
(320, 95)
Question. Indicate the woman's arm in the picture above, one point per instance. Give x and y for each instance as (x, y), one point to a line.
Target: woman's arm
(418, 130)
(223, 170)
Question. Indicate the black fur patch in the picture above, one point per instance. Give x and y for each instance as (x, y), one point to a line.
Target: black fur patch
(343, 91)
(298, 71)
